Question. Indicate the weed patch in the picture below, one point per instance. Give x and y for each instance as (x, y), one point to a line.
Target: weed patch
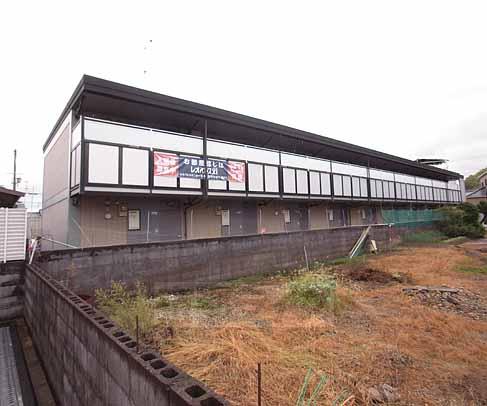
(199, 303)
(481, 270)
(124, 306)
(246, 280)
(315, 291)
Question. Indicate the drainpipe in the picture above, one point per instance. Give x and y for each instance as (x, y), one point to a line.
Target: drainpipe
(205, 158)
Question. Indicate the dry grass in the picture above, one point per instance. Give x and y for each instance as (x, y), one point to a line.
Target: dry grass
(432, 357)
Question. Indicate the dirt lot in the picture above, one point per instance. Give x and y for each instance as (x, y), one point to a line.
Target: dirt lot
(428, 346)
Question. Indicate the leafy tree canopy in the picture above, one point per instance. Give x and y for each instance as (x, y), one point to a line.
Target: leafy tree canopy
(472, 181)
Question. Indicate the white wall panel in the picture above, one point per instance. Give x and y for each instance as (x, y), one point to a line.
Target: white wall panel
(373, 188)
(77, 174)
(356, 187)
(73, 169)
(409, 191)
(242, 152)
(325, 184)
(385, 189)
(378, 174)
(165, 181)
(454, 184)
(135, 167)
(363, 188)
(256, 177)
(302, 181)
(236, 186)
(297, 161)
(263, 155)
(404, 178)
(225, 150)
(319, 165)
(107, 132)
(189, 183)
(300, 161)
(103, 164)
(392, 192)
(13, 226)
(271, 179)
(413, 193)
(424, 181)
(76, 135)
(347, 169)
(314, 183)
(440, 184)
(347, 186)
(217, 184)
(403, 191)
(289, 180)
(337, 185)
(378, 189)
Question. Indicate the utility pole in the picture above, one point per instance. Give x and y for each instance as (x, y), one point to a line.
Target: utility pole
(14, 183)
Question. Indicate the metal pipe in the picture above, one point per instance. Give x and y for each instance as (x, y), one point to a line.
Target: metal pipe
(14, 183)
(59, 242)
(137, 332)
(259, 385)
(205, 158)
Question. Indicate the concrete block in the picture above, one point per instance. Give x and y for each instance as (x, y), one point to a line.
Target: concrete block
(6, 291)
(118, 367)
(11, 312)
(6, 302)
(9, 279)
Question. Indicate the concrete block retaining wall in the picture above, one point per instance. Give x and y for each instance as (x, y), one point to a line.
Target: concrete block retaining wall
(195, 263)
(11, 281)
(89, 361)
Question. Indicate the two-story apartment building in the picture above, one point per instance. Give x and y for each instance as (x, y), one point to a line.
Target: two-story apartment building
(125, 165)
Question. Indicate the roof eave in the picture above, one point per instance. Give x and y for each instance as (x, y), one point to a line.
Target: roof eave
(69, 105)
(101, 86)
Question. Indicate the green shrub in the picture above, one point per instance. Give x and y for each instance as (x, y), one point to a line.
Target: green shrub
(123, 307)
(314, 291)
(483, 211)
(462, 220)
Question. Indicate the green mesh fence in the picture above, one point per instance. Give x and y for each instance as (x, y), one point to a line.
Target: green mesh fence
(410, 218)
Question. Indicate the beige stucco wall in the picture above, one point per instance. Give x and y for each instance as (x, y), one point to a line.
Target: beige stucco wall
(318, 217)
(56, 176)
(356, 216)
(55, 191)
(96, 229)
(202, 221)
(54, 223)
(379, 218)
(270, 218)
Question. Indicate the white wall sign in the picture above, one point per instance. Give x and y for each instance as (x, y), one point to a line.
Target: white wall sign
(134, 220)
(225, 217)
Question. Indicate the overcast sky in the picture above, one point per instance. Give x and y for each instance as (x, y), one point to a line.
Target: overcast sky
(404, 77)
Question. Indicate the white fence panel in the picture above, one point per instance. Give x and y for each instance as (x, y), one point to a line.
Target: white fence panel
(13, 227)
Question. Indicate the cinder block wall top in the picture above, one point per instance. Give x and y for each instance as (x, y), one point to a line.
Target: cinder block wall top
(90, 361)
(189, 264)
